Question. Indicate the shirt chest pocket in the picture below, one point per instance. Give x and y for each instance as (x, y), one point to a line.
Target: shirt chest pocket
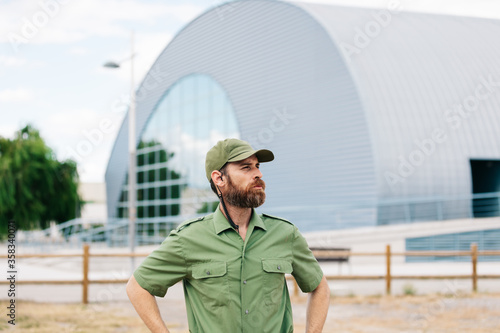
(210, 281)
(274, 279)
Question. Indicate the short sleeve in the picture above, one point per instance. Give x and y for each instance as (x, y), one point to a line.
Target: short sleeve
(306, 269)
(163, 268)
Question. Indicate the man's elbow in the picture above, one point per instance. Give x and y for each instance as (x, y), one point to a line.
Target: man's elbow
(323, 288)
(133, 288)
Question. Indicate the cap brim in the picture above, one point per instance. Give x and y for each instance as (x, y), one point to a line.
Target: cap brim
(263, 155)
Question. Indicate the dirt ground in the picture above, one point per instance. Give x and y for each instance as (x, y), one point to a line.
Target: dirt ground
(410, 314)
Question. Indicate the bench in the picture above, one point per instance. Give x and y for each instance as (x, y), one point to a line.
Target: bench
(332, 254)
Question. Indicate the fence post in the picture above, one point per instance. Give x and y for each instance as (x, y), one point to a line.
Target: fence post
(388, 273)
(85, 282)
(473, 249)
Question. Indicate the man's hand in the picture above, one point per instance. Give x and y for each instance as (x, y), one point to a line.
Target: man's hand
(146, 306)
(317, 307)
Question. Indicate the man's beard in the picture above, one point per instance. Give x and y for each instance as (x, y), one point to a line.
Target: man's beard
(246, 198)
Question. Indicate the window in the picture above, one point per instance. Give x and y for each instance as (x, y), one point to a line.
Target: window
(192, 116)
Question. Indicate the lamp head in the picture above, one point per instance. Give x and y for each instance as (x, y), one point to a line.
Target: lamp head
(111, 64)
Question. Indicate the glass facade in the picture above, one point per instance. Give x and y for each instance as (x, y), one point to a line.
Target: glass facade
(193, 115)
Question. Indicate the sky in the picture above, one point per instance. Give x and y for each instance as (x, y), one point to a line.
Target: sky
(52, 54)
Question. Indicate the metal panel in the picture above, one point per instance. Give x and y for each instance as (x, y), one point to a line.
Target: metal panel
(417, 73)
(340, 125)
(291, 92)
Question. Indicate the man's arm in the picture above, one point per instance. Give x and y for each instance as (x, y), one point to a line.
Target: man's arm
(317, 307)
(146, 306)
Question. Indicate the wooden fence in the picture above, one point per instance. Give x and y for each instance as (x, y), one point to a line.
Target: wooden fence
(388, 276)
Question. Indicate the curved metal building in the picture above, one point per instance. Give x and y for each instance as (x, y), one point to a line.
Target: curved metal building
(376, 116)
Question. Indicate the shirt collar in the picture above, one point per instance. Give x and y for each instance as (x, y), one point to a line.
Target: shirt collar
(221, 223)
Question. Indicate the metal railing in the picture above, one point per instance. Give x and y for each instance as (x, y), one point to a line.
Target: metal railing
(113, 232)
(390, 211)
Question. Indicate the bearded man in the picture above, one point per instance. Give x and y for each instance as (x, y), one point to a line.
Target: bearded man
(233, 262)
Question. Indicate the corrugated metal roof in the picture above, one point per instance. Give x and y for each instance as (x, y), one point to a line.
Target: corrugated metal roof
(412, 74)
(349, 121)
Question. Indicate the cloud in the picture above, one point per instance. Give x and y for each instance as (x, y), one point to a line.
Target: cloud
(7, 61)
(72, 123)
(147, 49)
(84, 135)
(15, 95)
(16, 63)
(76, 20)
(93, 167)
(186, 13)
(56, 21)
(81, 51)
(7, 130)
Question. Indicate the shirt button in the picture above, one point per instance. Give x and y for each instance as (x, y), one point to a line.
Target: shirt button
(246, 311)
(279, 267)
(244, 281)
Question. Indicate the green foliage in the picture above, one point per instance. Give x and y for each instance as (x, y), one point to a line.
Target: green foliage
(35, 188)
(409, 290)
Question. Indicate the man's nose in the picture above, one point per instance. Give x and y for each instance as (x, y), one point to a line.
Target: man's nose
(258, 174)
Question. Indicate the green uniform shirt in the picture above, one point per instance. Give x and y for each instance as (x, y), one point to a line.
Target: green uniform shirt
(231, 285)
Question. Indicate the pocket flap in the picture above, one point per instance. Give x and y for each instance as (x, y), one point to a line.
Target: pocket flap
(209, 269)
(277, 266)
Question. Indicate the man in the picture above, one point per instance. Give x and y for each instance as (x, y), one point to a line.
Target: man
(233, 262)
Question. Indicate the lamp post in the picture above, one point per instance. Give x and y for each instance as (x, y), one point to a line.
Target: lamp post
(131, 150)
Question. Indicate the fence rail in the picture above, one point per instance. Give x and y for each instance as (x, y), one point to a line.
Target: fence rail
(388, 276)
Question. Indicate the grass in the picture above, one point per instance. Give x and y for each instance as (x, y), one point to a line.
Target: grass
(433, 313)
(409, 290)
(45, 318)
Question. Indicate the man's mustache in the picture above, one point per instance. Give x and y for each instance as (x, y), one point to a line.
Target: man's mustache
(258, 182)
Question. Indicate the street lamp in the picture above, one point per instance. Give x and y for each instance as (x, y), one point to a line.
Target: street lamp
(131, 150)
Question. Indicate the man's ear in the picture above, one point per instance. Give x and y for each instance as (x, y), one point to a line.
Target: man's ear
(217, 178)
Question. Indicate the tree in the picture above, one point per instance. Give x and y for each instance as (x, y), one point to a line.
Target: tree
(35, 188)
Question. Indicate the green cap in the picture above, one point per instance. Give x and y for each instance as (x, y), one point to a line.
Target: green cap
(232, 150)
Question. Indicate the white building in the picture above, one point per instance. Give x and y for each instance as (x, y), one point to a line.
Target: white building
(375, 116)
